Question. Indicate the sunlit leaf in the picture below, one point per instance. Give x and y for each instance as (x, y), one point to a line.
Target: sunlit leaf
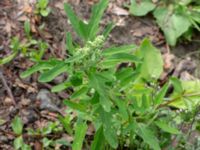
(152, 65)
(173, 24)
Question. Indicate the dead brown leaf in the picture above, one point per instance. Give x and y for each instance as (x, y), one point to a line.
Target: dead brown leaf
(30, 88)
(168, 61)
(119, 11)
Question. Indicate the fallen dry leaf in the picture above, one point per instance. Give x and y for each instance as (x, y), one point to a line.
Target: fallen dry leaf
(119, 11)
(185, 65)
(186, 76)
(8, 101)
(27, 9)
(168, 61)
(30, 88)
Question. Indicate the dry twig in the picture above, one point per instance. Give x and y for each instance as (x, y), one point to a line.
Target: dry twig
(6, 86)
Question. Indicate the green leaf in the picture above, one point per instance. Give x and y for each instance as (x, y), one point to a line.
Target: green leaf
(15, 44)
(145, 103)
(122, 108)
(42, 48)
(176, 84)
(2, 121)
(80, 131)
(45, 12)
(108, 129)
(167, 128)
(17, 125)
(74, 20)
(66, 124)
(97, 143)
(98, 84)
(8, 58)
(161, 94)
(63, 142)
(115, 59)
(152, 65)
(74, 58)
(77, 94)
(124, 73)
(27, 28)
(69, 43)
(46, 142)
(76, 106)
(121, 49)
(43, 3)
(40, 66)
(76, 79)
(97, 13)
(18, 142)
(110, 137)
(123, 57)
(148, 136)
(126, 76)
(107, 30)
(189, 98)
(141, 8)
(26, 147)
(84, 30)
(61, 86)
(54, 72)
(51, 126)
(170, 23)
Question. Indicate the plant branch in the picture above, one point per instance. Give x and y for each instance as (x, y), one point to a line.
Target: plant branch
(6, 86)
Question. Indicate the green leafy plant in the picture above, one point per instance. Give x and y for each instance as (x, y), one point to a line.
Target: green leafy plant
(175, 18)
(52, 128)
(42, 8)
(41, 134)
(17, 127)
(29, 47)
(125, 105)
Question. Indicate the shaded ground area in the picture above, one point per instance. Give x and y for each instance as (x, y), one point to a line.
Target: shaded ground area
(32, 100)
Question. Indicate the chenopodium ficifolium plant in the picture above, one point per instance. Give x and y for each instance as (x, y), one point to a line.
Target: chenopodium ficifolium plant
(125, 105)
(42, 8)
(175, 18)
(31, 48)
(17, 127)
(20, 142)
